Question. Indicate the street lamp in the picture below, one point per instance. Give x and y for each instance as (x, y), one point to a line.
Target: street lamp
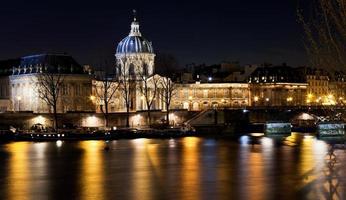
(267, 100)
(289, 99)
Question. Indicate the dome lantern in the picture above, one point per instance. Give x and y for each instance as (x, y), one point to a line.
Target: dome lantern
(134, 42)
(135, 26)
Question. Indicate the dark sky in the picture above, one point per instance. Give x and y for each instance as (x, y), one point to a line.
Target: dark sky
(249, 31)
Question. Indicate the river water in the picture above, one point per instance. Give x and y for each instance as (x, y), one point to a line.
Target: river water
(186, 168)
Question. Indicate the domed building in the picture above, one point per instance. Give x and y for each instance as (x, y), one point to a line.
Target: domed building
(135, 63)
(134, 54)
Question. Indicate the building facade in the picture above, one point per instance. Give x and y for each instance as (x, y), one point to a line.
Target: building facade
(21, 91)
(200, 96)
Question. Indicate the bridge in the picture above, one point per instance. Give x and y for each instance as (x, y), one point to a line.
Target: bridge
(263, 114)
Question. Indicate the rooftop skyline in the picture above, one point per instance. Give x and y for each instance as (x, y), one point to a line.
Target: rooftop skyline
(247, 31)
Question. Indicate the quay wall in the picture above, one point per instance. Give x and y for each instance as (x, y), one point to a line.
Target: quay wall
(25, 120)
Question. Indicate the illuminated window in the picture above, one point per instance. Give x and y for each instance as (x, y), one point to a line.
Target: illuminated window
(205, 93)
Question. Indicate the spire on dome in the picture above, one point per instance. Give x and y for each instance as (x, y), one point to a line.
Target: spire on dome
(134, 15)
(135, 25)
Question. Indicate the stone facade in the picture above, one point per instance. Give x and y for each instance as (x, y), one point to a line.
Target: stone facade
(200, 96)
(278, 94)
(74, 94)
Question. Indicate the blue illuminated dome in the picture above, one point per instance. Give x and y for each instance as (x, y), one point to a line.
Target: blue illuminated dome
(134, 43)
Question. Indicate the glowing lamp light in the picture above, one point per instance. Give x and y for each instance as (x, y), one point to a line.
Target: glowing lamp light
(91, 121)
(305, 116)
(137, 119)
(267, 99)
(59, 143)
(256, 98)
(39, 120)
(244, 140)
(210, 78)
(172, 116)
(257, 134)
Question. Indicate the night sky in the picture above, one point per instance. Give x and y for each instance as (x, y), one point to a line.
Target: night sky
(249, 31)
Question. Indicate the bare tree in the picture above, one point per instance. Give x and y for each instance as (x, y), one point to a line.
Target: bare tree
(48, 89)
(167, 92)
(166, 65)
(105, 88)
(148, 88)
(325, 33)
(126, 85)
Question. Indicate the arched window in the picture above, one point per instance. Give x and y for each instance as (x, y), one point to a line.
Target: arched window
(145, 70)
(132, 70)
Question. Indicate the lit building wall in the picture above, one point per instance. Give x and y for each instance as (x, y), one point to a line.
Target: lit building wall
(278, 94)
(117, 104)
(318, 89)
(210, 95)
(338, 91)
(74, 94)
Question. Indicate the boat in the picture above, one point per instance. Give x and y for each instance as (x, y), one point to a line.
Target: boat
(277, 128)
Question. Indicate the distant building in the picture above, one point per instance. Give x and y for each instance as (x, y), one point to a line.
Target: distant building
(202, 96)
(337, 87)
(318, 86)
(277, 86)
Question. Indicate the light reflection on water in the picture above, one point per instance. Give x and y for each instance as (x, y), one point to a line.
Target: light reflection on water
(91, 170)
(18, 174)
(190, 169)
(187, 168)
